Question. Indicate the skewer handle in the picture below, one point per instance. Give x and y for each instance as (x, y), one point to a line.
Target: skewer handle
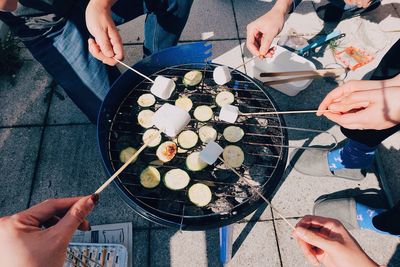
(258, 193)
(132, 69)
(123, 167)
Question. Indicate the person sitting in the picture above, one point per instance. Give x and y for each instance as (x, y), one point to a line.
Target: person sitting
(73, 38)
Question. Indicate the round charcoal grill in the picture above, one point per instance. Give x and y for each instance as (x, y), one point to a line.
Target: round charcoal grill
(264, 145)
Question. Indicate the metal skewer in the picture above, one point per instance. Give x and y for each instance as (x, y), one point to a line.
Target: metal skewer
(132, 69)
(258, 193)
(284, 112)
(123, 167)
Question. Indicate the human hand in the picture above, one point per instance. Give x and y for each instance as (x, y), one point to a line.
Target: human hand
(326, 241)
(364, 104)
(107, 43)
(262, 31)
(25, 243)
(358, 3)
(8, 5)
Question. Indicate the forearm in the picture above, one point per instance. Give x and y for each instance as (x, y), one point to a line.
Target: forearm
(283, 6)
(103, 3)
(8, 5)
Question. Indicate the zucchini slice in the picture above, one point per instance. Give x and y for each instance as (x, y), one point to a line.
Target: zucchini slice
(145, 118)
(146, 100)
(126, 154)
(224, 98)
(176, 179)
(166, 151)
(207, 134)
(233, 134)
(184, 102)
(150, 177)
(194, 163)
(203, 113)
(233, 156)
(200, 194)
(149, 133)
(192, 78)
(187, 139)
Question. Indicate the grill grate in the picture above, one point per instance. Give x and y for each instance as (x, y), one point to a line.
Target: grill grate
(264, 145)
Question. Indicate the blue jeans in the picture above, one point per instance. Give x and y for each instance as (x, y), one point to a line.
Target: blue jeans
(63, 50)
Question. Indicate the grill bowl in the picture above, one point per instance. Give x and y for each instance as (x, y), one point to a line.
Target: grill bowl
(263, 145)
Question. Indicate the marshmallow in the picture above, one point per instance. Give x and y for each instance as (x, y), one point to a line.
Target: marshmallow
(211, 152)
(162, 87)
(222, 75)
(229, 113)
(171, 119)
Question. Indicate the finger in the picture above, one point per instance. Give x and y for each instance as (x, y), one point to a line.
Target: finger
(313, 221)
(84, 226)
(42, 212)
(75, 216)
(307, 250)
(352, 121)
(251, 41)
(313, 238)
(116, 42)
(330, 98)
(103, 40)
(266, 42)
(346, 107)
(94, 49)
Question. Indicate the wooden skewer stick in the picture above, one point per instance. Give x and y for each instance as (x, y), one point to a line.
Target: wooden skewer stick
(245, 63)
(132, 69)
(284, 112)
(258, 193)
(123, 167)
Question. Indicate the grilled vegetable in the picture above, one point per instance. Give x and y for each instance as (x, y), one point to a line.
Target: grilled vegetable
(200, 194)
(145, 118)
(207, 134)
(150, 177)
(233, 134)
(194, 163)
(126, 154)
(203, 113)
(149, 134)
(187, 139)
(233, 156)
(224, 98)
(166, 151)
(192, 78)
(184, 102)
(176, 179)
(146, 100)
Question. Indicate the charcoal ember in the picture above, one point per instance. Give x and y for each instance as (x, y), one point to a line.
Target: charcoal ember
(221, 205)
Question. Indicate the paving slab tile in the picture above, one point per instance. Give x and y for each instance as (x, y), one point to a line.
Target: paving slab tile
(18, 153)
(63, 110)
(141, 248)
(70, 165)
(24, 101)
(254, 245)
(133, 31)
(170, 247)
(290, 252)
(207, 16)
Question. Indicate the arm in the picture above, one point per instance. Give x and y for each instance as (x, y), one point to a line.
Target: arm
(8, 5)
(25, 242)
(364, 104)
(262, 31)
(325, 241)
(107, 42)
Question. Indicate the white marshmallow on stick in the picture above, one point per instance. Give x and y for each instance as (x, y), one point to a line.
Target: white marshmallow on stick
(171, 119)
(211, 152)
(222, 75)
(163, 87)
(229, 113)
